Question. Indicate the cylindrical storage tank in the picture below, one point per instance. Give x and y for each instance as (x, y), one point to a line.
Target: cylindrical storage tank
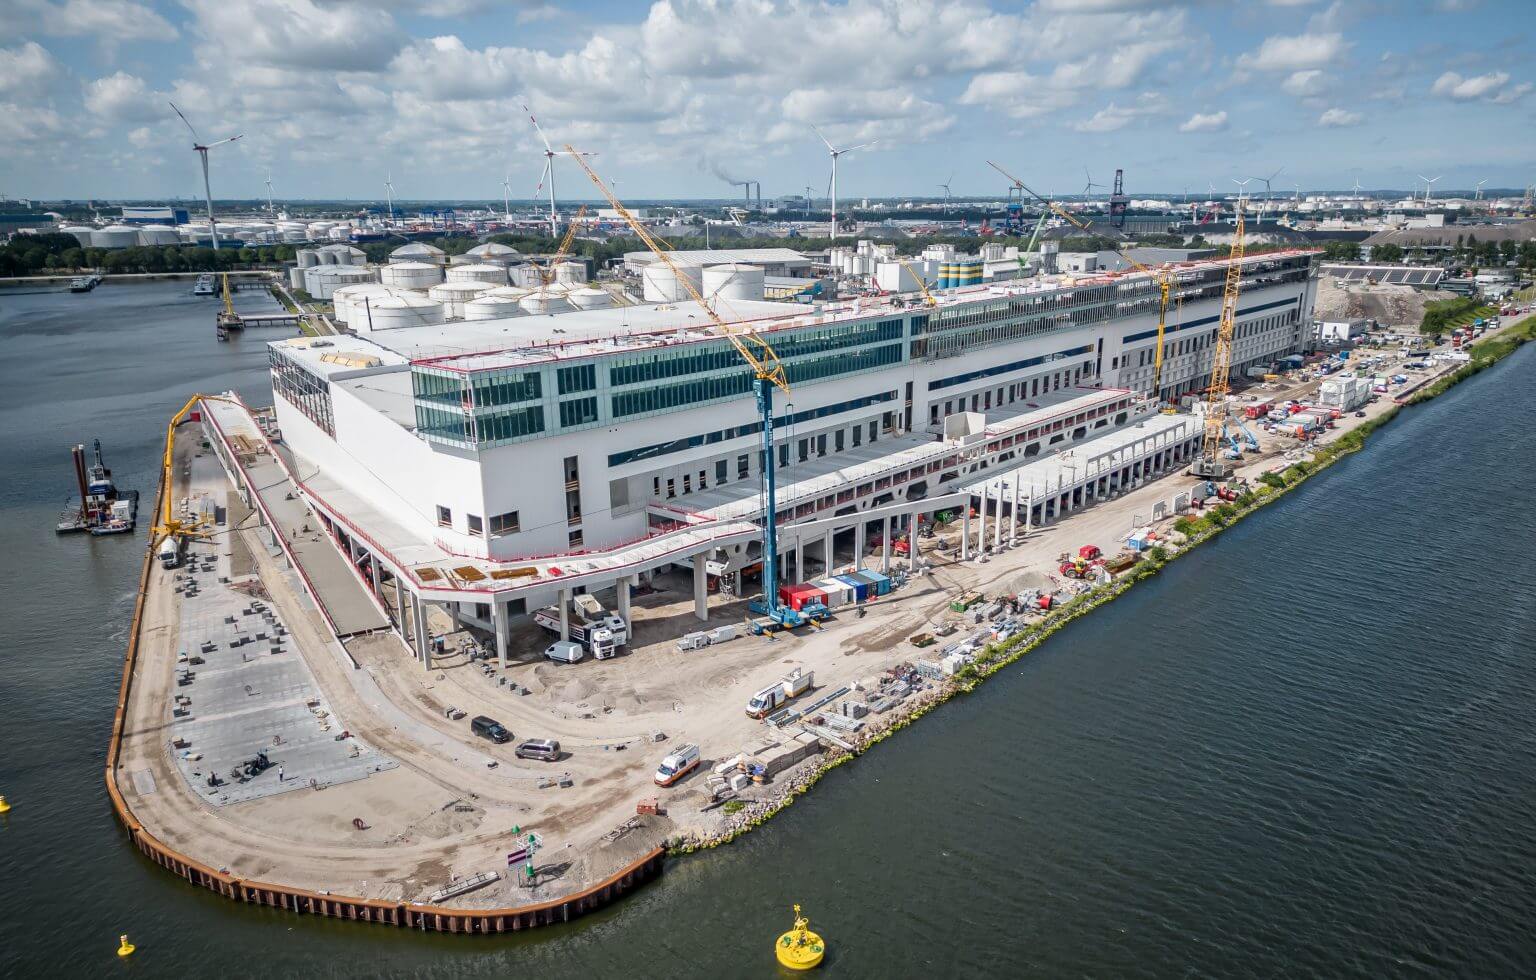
(525, 275)
(491, 307)
(733, 281)
(307, 258)
(295, 277)
(348, 300)
(345, 254)
(661, 285)
(411, 275)
(588, 298)
(291, 235)
(319, 230)
(82, 233)
(324, 256)
(453, 295)
(401, 310)
(946, 273)
(478, 272)
(494, 253)
(419, 252)
(574, 272)
(115, 236)
(534, 305)
(159, 235)
(514, 293)
(971, 273)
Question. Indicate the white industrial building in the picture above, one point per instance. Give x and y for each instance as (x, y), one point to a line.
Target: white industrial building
(494, 464)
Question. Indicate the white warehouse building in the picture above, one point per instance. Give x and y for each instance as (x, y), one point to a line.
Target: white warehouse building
(494, 465)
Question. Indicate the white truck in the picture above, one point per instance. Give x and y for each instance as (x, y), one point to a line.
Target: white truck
(771, 698)
(169, 551)
(595, 628)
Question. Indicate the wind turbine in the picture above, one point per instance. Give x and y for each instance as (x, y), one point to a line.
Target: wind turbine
(1479, 195)
(506, 197)
(549, 171)
(389, 194)
(1090, 185)
(1242, 191)
(808, 201)
(271, 208)
(832, 186)
(202, 152)
(1268, 192)
(946, 192)
(1429, 183)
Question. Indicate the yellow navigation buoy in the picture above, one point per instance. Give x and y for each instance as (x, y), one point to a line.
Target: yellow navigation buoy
(124, 947)
(4, 806)
(800, 948)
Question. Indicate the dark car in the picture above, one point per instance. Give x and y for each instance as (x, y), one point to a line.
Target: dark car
(489, 728)
(544, 749)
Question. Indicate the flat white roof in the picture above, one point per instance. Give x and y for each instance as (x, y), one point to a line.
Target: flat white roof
(1079, 463)
(720, 256)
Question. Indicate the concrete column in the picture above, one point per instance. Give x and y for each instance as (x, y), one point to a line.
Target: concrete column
(423, 634)
(1029, 513)
(965, 530)
(913, 551)
(858, 544)
(981, 523)
(400, 614)
(455, 612)
(885, 548)
(700, 587)
(373, 572)
(799, 559)
(1013, 523)
(499, 620)
(624, 586)
(565, 614)
(827, 552)
(997, 519)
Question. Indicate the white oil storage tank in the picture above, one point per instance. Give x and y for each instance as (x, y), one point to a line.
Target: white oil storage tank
(494, 253)
(400, 310)
(115, 236)
(478, 272)
(661, 285)
(453, 295)
(589, 298)
(535, 304)
(159, 235)
(491, 307)
(82, 233)
(733, 281)
(319, 230)
(419, 252)
(572, 272)
(295, 277)
(411, 275)
(348, 301)
(513, 293)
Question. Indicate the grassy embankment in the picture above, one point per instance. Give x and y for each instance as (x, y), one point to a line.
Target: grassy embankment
(1271, 487)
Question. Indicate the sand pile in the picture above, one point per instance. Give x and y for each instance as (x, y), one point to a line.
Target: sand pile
(1391, 306)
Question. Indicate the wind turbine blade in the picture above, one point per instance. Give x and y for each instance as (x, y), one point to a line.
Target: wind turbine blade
(540, 187)
(185, 120)
(829, 186)
(861, 146)
(536, 129)
(830, 147)
(223, 141)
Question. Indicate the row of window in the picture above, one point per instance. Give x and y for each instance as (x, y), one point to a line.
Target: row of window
(708, 358)
(500, 523)
(470, 431)
(310, 394)
(749, 429)
(989, 372)
(983, 401)
(835, 441)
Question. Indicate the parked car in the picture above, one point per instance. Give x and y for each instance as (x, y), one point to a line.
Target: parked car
(543, 749)
(489, 728)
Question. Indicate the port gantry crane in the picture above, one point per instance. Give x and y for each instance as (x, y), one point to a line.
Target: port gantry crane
(768, 373)
(1210, 464)
(1163, 278)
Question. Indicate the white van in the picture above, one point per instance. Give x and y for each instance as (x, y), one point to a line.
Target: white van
(683, 760)
(564, 651)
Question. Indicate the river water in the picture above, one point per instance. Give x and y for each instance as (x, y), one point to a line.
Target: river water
(1305, 750)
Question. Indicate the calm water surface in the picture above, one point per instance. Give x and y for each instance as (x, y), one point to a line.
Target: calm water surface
(1306, 751)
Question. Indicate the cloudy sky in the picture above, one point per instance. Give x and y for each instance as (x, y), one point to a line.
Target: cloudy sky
(676, 95)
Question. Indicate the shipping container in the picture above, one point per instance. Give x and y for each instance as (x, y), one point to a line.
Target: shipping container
(861, 590)
(837, 592)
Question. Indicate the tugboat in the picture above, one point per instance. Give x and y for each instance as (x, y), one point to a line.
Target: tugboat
(204, 285)
(103, 508)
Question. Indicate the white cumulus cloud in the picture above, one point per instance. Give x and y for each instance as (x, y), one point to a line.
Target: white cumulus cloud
(27, 69)
(1337, 118)
(111, 20)
(1305, 83)
(1490, 87)
(1204, 122)
(122, 97)
(1296, 52)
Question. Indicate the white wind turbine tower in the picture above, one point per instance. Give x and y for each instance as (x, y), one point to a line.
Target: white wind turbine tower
(271, 208)
(202, 152)
(946, 192)
(832, 187)
(1479, 195)
(506, 197)
(1429, 183)
(389, 194)
(549, 171)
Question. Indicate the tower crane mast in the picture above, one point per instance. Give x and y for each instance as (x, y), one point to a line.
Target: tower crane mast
(768, 373)
(1210, 464)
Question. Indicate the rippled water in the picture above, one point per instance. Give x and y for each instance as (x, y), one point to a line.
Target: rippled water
(1306, 750)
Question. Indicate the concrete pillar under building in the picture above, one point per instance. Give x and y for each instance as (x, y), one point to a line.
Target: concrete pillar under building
(400, 615)
(997, 518)
(373, 574)
(700, 587)
(858, 544)
(885, 548)
(913, 549)
(623, 589)
(981, 523)
(1013, 522)
(499, 624)
(965, 530)
(423, 634)
(827, 552)
(565, 614)
(799, 559)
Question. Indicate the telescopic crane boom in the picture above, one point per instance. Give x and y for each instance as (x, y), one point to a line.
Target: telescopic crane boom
(1210, 464)
(768, 373)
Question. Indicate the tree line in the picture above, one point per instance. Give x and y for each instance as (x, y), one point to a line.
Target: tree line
(31, 255)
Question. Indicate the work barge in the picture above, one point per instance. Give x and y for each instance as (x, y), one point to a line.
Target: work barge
(1003, 440)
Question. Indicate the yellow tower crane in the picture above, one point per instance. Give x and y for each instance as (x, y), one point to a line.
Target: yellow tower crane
(547, 276)
(1162, 277)
(768, 373)
(1210, 464)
